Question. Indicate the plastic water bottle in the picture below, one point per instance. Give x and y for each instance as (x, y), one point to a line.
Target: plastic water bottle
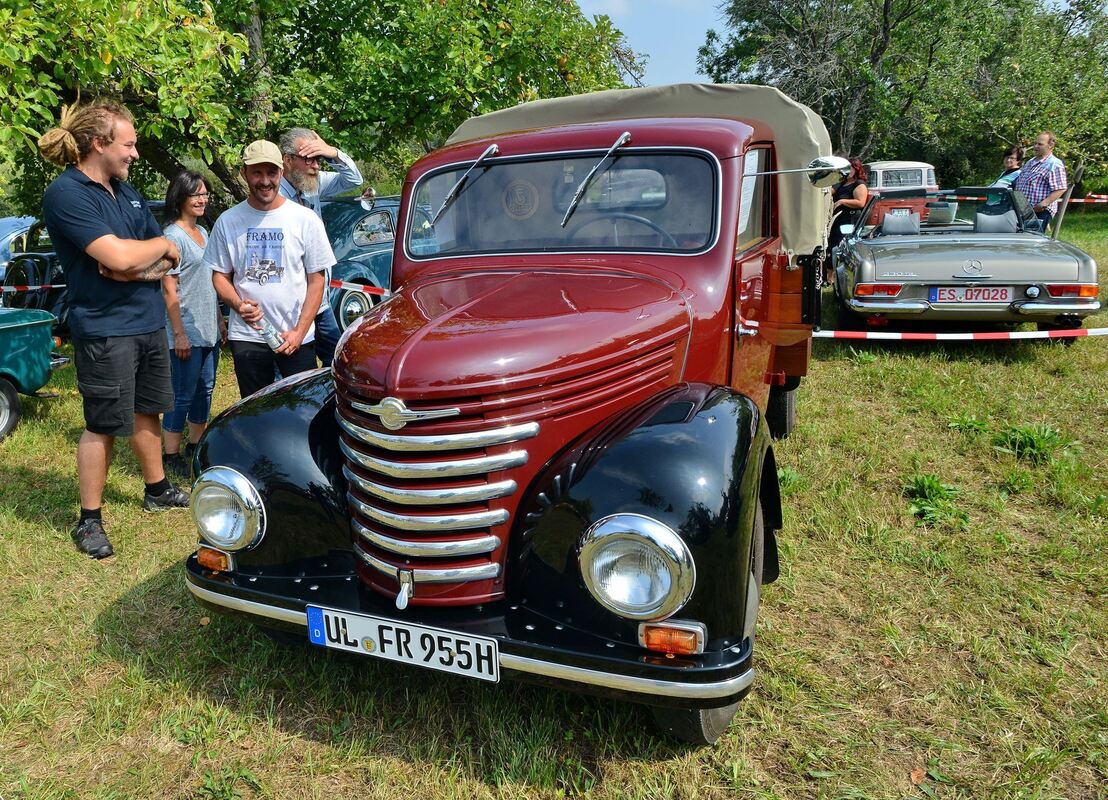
(272, 336)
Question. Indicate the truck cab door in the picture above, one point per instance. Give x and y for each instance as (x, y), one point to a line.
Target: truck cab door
(755, 249)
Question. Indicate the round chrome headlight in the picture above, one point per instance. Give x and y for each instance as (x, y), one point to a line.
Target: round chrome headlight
(637, 567)
(227, 509)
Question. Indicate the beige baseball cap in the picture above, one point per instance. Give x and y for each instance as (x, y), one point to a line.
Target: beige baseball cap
(262, 152)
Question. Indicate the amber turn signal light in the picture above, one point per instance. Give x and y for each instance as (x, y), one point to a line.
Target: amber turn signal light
(215, 560)
(1072, 289)
(678, 638)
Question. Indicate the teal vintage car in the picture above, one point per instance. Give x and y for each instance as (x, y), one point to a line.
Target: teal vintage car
(26, 359)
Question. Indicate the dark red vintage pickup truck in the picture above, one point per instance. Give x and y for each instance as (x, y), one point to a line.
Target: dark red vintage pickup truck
(548, 454)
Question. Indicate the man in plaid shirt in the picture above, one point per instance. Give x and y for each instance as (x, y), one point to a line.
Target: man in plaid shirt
(1043, 179)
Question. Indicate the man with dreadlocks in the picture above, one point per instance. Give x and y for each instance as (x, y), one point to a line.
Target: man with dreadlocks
(114, 255)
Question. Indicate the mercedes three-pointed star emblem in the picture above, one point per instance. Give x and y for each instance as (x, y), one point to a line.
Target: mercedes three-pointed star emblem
(971, 266)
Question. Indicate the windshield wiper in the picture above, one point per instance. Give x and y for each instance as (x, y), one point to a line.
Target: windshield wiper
(456, 189)
(623, 139)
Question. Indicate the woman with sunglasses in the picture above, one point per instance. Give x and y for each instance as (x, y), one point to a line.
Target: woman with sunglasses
(194, 324)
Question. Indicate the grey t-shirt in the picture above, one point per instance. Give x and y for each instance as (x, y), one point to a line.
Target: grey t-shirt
(269, 255)
(199, 304)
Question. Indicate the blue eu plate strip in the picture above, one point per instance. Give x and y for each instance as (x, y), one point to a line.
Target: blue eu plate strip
(315, 626)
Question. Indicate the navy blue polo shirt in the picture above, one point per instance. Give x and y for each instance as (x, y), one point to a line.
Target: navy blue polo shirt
(78, 211)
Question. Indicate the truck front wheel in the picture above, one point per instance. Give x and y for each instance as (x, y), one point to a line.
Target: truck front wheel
(781, 412)
(705, 725)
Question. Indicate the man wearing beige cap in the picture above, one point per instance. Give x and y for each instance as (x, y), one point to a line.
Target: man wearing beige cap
(268, 258)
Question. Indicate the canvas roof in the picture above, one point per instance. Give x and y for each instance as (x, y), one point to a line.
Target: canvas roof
(799, 135)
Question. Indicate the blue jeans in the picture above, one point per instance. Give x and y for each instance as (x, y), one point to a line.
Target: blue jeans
(327, 333)
(193, 382)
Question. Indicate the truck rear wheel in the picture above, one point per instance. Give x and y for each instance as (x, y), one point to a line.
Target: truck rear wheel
(781, 412)
(705, 725)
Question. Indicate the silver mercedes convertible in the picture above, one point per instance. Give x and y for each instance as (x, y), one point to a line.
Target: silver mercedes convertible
(972, 254)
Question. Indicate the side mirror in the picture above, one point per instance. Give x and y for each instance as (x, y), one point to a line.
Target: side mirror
(827, 171)
(368, 199)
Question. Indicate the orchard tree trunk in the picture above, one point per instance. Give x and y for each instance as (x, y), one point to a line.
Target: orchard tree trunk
(261, 106)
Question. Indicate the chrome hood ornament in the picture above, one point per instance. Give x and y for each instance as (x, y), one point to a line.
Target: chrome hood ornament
(394, 415)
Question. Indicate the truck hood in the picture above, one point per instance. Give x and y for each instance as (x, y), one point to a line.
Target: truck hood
(1018, 257)
(493, 332)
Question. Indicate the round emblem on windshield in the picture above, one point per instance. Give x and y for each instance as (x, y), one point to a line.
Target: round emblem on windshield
(521, 199)
(971, 267)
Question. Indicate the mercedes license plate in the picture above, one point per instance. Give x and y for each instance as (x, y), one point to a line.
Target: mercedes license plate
(971, 294)
(434, 648)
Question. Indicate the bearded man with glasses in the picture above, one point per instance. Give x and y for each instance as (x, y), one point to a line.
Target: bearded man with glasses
(304, 152)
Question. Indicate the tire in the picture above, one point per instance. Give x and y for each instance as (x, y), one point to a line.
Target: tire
(352, 304)
(1061, 326)
(781, 412)
(703, 726)
(10, 409)
(846, 319)
(22, 272)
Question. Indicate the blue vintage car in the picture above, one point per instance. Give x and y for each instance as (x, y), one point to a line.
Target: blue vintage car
(12, 230)
(362, 232)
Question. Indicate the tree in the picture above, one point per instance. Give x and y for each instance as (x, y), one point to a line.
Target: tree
(203, 78)
(859, 64)
(164, 58)
(950, 83)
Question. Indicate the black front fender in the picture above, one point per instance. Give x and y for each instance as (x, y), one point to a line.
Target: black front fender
(690, 458)
(284, 439)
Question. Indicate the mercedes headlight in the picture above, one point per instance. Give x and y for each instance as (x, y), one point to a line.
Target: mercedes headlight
(637, 567)
(227, 509)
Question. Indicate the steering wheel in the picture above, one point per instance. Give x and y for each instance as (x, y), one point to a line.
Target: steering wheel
(612, 216)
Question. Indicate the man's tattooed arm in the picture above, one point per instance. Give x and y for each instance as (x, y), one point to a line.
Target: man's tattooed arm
(155, 271)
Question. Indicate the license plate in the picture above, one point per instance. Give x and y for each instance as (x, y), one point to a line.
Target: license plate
(900, 212)
(435, 648)
(971, 294)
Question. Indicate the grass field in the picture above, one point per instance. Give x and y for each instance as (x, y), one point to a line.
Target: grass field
(940, 628)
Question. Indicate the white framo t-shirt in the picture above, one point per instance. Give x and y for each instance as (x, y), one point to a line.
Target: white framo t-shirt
(269, 255)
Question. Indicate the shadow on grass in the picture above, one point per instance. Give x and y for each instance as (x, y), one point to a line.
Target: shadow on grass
(984, 352)
(50, 497)
(508, 734)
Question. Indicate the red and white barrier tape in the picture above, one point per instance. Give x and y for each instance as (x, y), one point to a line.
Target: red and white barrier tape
(14, 289)
(1089, 199)
(991, 336)
(358, 287)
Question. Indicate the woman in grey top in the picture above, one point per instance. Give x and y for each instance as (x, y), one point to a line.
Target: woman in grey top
(194, 324)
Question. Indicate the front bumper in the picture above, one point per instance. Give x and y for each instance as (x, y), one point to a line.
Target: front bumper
(532, 647)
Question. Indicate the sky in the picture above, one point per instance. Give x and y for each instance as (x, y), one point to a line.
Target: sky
(668, 31)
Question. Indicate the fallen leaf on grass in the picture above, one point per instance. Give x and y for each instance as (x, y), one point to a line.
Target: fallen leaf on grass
(918, 776)
(205, 621)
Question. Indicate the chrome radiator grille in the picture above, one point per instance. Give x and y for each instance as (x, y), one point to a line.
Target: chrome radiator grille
(431, 497)
(422, 504)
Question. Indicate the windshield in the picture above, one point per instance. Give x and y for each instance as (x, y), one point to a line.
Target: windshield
(639, 200)
(992, 210)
